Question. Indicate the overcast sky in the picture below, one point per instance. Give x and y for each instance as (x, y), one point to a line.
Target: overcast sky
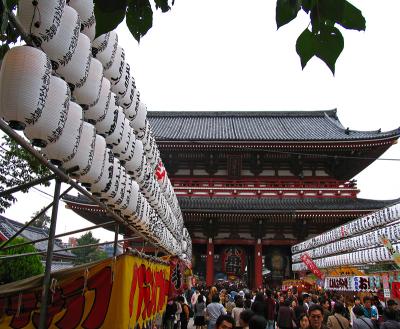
(226, 55)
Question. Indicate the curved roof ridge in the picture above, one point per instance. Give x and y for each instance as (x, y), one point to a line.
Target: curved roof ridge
(329, 113)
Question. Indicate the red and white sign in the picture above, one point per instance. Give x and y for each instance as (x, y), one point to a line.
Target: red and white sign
(311, 265)
(160, 171)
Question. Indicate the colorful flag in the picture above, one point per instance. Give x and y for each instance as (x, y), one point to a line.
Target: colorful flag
(395, 255)
(311, 265)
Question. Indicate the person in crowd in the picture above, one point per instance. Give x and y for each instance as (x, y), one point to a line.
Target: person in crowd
(379, 305)
(338, 320)
(258, 306)
(286, 318)
(177, 322)
(213, 291)
(257, 322)
(390, 319)
(361, 321)
(214, 310)
(357, 302)
(290, 295)
(224, 322)
(247, 300)
(270, 310)
(392, 305)
(169, 314)
(299, 309)
(193, 299)
(316, 317)
(245, 317)
(199, 311)
(236, 311)
(326, 306)
(370, 311)
(184, 316)
(230, 304)
(304, 323)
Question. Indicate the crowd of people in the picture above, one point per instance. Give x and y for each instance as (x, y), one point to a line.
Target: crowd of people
(231, 309)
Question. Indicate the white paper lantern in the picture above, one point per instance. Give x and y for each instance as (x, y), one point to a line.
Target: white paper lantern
(90, 30)
(114, 134)
(135, 164)
(117, 187)
(62, 46)
(104, 48)
(42, 18)
(76, 71)
(127, 100)
(103, 126)
(100, 185)
(98, 163)
(126, 156)
(121, 87)
(85, 11)
(24, 84)
(124, 202)
(122, 147)
(65, 148)
(48, 128)
(132, 202)
(114, 73)
(139, 122)
(89, 92)
(131, 111)
(98, 111)
(85, 152)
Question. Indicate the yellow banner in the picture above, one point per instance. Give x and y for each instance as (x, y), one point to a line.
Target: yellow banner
(127, 292)
(345, 271)
(395, 255)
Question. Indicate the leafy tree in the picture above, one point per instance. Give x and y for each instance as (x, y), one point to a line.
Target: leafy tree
(19, 268)
(17, 166)
(42, 221)
(88, 254)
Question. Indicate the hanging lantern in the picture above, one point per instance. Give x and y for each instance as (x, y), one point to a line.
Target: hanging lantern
(134, 165)
(62, 46)
(132, 202)
(112, 186)
(128, 154)
(114, 73)
(24, 85)
(48, 128)
(97, 168)
(121, 87)
(127, 100)
(114, 134)
(64, 149)
(139, 122)
(85, 152)
(117, 188)
(131, 111)
(86, 14)
(122, 147)
(40, 19)
(123, 202)
(103, 126)
(104, 48)
(101, 184)
(76, 71)
(89, 92)
(98, 111)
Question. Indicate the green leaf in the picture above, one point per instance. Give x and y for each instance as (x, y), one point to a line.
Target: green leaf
(3, 49)
(286, 10)
(308, 5)
(109, 14)
(163, 4)
(139, 18)
(11, 4)
(306, 47)
(329, 45)
(343, 13)
(4, 23)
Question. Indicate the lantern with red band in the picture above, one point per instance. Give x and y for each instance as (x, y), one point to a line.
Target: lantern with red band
(311, 265)
(233, 261)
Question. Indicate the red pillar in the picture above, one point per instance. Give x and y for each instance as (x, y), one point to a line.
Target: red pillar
(258, 264)
(210, 263)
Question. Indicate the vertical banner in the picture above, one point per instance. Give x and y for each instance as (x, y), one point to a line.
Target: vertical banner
(306, 259)
(392, 251)
(126, 292)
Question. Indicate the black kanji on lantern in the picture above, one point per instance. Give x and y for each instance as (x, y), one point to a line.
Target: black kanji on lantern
(233, 261)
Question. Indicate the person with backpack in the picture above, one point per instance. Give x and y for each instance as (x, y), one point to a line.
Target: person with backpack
(337, 320)
(185, 314)
(199, 311)
(361, 321)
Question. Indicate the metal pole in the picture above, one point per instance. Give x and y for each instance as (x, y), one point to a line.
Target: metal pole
(27, 185)
(60, 235)
(65, 249)
(49, 258)
(2, 247)
(116, 239)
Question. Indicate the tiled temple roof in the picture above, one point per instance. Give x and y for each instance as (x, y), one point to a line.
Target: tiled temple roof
(257, 126)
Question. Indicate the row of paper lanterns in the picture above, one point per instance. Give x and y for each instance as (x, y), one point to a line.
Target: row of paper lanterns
(359, 257)
(366, 223)
(104, 130)
(366, 240)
